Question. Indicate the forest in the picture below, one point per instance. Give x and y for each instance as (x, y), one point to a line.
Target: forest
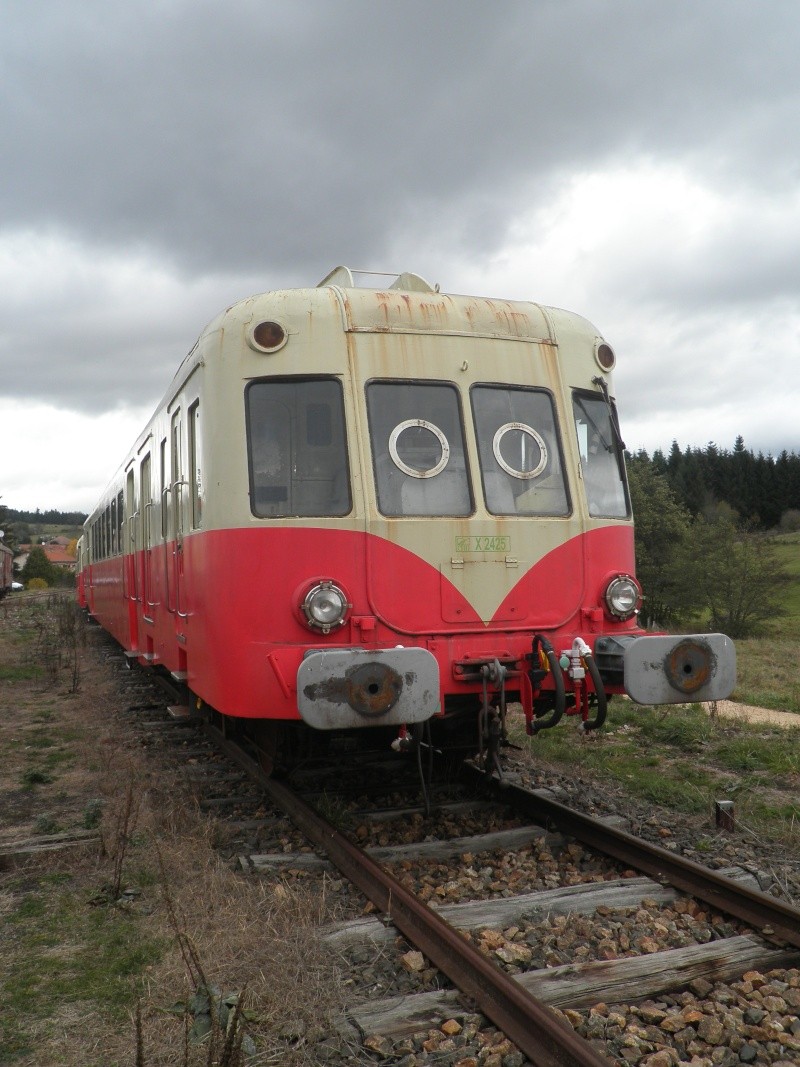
(764, 491)
(706, 526)
(47, 518)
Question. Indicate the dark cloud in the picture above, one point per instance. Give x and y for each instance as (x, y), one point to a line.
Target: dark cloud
(228, 136)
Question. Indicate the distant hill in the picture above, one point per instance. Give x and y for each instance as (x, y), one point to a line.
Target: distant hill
(47, 518)
(32, 527)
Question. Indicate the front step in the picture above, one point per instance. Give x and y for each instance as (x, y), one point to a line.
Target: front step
(179, 712)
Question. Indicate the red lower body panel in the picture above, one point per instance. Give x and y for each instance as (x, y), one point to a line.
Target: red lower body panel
(223, 608)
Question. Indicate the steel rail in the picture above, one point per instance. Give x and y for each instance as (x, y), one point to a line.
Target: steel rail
(542, 1036)
(774, 918)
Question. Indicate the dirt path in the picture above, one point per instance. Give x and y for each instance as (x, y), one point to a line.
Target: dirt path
(731, 710)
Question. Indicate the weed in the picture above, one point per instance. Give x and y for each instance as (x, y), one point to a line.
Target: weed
(92, 814)
(46, 824)
(208, 1015)
(123, 825)
(333, 809)
(22, 673)
(36, 777)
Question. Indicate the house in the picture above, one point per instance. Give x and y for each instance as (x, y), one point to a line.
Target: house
(59, 556)
(55, 551)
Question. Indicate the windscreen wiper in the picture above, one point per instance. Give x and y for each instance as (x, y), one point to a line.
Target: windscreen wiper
(612, 411)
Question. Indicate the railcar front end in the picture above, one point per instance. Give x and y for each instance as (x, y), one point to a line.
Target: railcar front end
(361, 507)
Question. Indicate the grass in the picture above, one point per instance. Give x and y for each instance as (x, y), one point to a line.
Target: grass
(767, 666)
(94, 938)
(767, 674)
(26, 672)
(683, 760)
(61, 954)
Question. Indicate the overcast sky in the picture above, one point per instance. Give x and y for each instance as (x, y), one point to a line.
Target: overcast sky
(637, 161)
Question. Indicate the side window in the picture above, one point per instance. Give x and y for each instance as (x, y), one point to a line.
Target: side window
(121, 546)
(175, 494)
(164, 485)
(107, 531)
(602, 465)
(195, 478)
(418, 448)
(520, 451)
(147, 501)
(297, 449)
(130, 510)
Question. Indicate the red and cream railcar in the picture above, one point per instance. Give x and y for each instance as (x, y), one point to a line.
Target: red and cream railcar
(366, 506)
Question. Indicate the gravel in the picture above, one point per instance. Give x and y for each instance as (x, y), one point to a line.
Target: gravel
(750, 1021)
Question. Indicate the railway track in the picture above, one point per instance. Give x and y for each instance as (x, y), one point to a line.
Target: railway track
(520, 1004)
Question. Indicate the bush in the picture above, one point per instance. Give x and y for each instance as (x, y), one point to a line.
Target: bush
(740, 575)
(37, 583)
(790, 521)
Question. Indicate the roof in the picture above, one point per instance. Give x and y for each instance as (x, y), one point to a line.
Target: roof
(56, 554)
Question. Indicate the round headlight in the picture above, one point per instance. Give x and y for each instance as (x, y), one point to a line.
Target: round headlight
(622, 596)
(325, 606)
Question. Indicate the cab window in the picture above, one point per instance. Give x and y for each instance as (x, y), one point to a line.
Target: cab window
(418, 449)
(518, 443)
(601, 457)
(296, 448)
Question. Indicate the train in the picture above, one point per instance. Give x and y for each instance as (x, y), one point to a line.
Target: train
(6, 569)
(369, 503)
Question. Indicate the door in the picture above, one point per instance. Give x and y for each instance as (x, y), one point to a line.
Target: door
(127, 534)
(146, 524)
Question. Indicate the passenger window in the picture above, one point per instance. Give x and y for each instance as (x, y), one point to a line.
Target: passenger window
(601, 457)
(121, 546)
(418, 449)
(195, 473)
(519, 447)
(162, 502)
(297, 448)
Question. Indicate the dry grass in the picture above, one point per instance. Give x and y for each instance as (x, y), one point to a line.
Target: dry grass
(91, 933)
(767, 670)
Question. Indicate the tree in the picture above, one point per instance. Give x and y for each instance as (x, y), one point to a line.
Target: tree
(39, 566)
(663, 530)
(738, 575)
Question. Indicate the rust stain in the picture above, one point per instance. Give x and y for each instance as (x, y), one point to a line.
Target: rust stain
(689, 666)
(370, 689)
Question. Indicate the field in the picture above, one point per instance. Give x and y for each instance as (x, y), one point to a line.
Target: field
(769, 666)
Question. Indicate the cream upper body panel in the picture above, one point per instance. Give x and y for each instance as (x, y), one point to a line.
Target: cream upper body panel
(357, 336)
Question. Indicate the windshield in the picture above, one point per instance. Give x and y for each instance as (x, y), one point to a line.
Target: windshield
(296, 448)
(601, 459)
(418, 449)
(519, 449)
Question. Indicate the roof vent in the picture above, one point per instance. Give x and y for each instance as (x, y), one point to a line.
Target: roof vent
(343, 276)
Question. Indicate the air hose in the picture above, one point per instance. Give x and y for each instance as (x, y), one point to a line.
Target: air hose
(599, 689)
(548, 721)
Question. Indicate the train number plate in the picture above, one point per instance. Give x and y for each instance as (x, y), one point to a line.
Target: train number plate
(481, 543)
